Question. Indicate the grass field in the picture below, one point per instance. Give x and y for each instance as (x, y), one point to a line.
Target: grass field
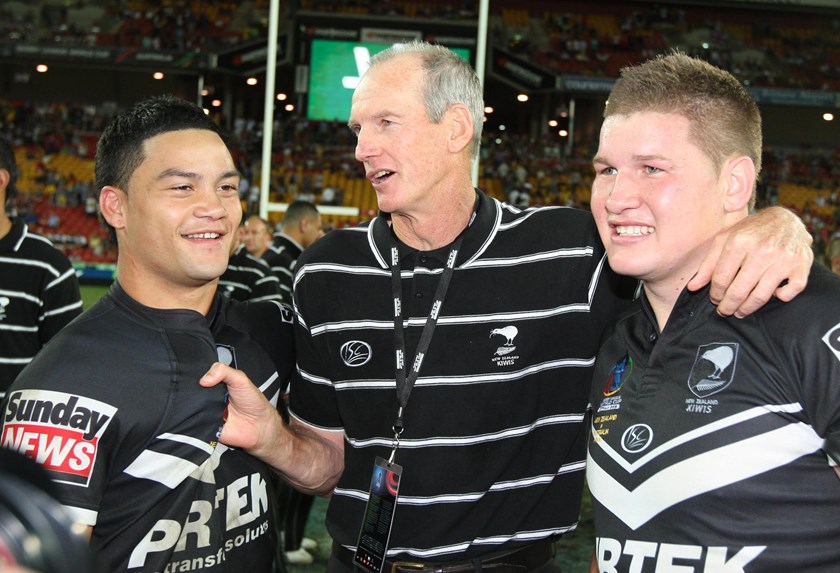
(91, 293)
(573, 551)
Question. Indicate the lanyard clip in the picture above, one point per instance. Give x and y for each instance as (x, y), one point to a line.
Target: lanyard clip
(398, 430)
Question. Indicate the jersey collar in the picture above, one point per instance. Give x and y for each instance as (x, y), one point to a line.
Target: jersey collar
(476, 237)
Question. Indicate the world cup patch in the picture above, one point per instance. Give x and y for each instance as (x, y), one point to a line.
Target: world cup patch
(713, 369)
(832, 340)
(619, 374)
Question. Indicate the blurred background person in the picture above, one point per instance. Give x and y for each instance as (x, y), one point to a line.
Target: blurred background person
(39, 291)
(248, 277)
(257, 240)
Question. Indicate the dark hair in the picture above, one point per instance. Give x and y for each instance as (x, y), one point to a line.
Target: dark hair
(298, 210)
(120, 149)
(7, 162)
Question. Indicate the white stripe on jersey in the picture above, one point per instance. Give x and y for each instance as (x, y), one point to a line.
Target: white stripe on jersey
(469, 497)
(31, 263)
(189, 440)
(165, 469)
(389, 384)
(18, 328)
(689, 478)
(81, 515)
(469, 440)
(68, 274)
(23, 295)
(61, 310)
(533, 258)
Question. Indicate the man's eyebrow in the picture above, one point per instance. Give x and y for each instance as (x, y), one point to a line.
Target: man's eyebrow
(178, 173)
(637, 158)
(649, 157)
(386, 113)
(193, 175)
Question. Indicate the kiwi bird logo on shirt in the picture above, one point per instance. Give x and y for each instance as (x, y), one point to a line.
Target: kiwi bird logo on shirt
(355, 353)
(713, 369)
(832, 340)
(509, 333)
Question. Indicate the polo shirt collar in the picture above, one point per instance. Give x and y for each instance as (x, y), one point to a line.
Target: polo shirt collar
(476, 237)
(690, 307)
(13, 240)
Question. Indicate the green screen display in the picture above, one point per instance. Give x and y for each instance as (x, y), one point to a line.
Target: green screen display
(334, 71)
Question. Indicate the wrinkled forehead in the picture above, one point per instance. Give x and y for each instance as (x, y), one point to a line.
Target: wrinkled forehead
(398, 76)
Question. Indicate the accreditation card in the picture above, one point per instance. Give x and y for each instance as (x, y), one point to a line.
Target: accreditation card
(379, 516)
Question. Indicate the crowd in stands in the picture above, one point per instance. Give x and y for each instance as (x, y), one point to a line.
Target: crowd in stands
(315, 161)
(785, 49)
(174, 25)
(792, 50)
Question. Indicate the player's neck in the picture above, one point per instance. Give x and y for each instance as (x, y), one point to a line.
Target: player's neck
(662, 294)
(154, 293)
(436, 227)
(662, 302)
(5, 224)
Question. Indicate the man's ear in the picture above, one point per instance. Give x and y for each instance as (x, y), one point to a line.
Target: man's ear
(461, 127)
(112, 205)
(5, 177)
(740, 180)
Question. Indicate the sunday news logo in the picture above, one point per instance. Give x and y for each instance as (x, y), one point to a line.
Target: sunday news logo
(60, 431)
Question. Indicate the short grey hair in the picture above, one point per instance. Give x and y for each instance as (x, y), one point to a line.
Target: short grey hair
(449, 80)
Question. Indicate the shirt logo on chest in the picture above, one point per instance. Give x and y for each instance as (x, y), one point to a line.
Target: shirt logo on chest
(619, 374)
(355, 353)
(4, 302)
(636, 438)
(503, 356)
(713, 369)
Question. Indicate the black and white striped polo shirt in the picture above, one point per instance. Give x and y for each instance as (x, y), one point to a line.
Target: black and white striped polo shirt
(39, 294)
(494, 445)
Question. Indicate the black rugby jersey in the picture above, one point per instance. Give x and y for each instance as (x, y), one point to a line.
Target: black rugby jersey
(39, 294)
(710, 439)
(284, 244)
(280, 264)
(495, 441)
(113, 410)
(249, 278)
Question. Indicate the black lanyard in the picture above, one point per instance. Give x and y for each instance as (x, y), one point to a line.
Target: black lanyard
(405, 376)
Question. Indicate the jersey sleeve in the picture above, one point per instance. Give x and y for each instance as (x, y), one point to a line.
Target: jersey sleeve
(75, 443)
(813, 351)
(312, 397)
